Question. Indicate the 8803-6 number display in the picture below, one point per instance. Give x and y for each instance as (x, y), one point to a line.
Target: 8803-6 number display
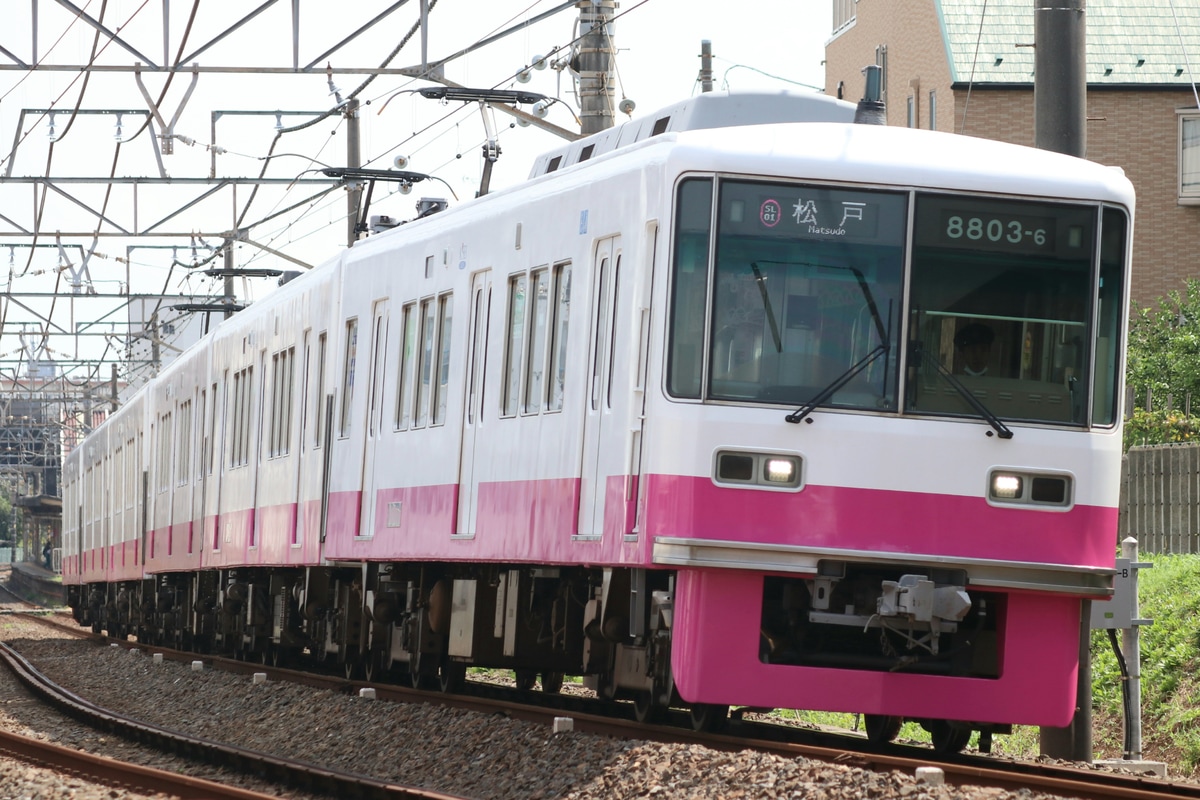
(996, 230)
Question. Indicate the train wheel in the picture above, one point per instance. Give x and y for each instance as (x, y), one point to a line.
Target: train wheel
(266, 656)
(882, 729)
(452, 676)
(709, 717)
(948, 738)
(525, 678)
(351, 665)
(552, 682)
(372, 668)
(645, 710)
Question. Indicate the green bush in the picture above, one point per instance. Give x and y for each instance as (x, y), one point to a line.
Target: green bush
(1160, 427)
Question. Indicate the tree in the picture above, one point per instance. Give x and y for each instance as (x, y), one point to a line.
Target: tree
(1163, 368)
(5, 515)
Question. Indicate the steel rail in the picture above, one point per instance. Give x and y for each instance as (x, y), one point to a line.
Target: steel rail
(850, 750)
(110, 772)
(299, 775)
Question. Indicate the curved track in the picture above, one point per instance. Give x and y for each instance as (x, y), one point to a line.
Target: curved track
(596, 717)
(295, 774)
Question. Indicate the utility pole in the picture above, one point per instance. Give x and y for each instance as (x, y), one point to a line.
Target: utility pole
(1059, 122)
(1059, 76)
(229, 278)
(353, 161)
(594, 63)
(705, 65)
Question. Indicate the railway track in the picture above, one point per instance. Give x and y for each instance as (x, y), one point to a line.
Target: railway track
(775, 739)
(284, 771)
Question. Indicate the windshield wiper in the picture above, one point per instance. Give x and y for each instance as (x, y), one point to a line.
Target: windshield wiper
(884, 346)
(838, 382)
(974, 402)
(766, 298)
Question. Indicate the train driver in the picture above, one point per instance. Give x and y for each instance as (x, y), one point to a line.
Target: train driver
(974, 344)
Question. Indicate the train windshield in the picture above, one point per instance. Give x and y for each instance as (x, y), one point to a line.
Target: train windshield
(794, 295)
(806, 296)
(1000, 305)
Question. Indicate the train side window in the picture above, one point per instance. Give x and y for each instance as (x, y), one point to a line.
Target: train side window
(445, 326)
(348, 376)
(510, 397)
(319, 393)
(283, 377)
(558, 333)
(689, 287)
(408, 355)
(535, 358)
(425, 362)
(1108, 316)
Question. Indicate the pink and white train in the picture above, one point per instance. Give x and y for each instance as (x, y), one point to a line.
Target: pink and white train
(738, 404)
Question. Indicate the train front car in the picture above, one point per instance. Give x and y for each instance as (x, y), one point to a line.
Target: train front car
(885, 459)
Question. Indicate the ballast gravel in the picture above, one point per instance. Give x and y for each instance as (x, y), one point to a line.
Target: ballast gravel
(450, 750)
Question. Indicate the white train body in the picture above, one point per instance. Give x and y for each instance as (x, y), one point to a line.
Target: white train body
(586, 392)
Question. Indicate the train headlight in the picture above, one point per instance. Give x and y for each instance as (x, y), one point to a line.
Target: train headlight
(757, 470)
(1019, 487)
(1005, 486)
(779, 470)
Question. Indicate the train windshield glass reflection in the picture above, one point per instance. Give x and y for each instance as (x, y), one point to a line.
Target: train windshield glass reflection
(806, 288)
(1000, 299)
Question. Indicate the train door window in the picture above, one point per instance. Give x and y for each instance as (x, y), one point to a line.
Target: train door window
(204, 442)
(612, 334)
(375, 379)
(425, 361)
(184, 438)
(601, 329)
(304, 392)
(235, 416)
(319, 393)
(689, 287)
(247, 406)
(558, 332)
(445, 326)
(510, 396)
(477, 358)
(289, 396)
(348, 376)
(408, 358)
(212, 428)
(1108, 344)
(535, 358)
(164, 452)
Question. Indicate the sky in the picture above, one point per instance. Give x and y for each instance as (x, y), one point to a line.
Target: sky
(760, 44)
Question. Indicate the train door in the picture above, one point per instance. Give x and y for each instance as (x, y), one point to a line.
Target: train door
(302, 465)
(379, 335)
(481, 302)
(606, 277)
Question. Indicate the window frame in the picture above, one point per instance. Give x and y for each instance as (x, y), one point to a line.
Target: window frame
(1187, 194)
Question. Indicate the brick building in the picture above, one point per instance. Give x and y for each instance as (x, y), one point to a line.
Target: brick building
(967, 66)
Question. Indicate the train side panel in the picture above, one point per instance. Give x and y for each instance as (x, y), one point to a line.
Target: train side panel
(515, 468)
